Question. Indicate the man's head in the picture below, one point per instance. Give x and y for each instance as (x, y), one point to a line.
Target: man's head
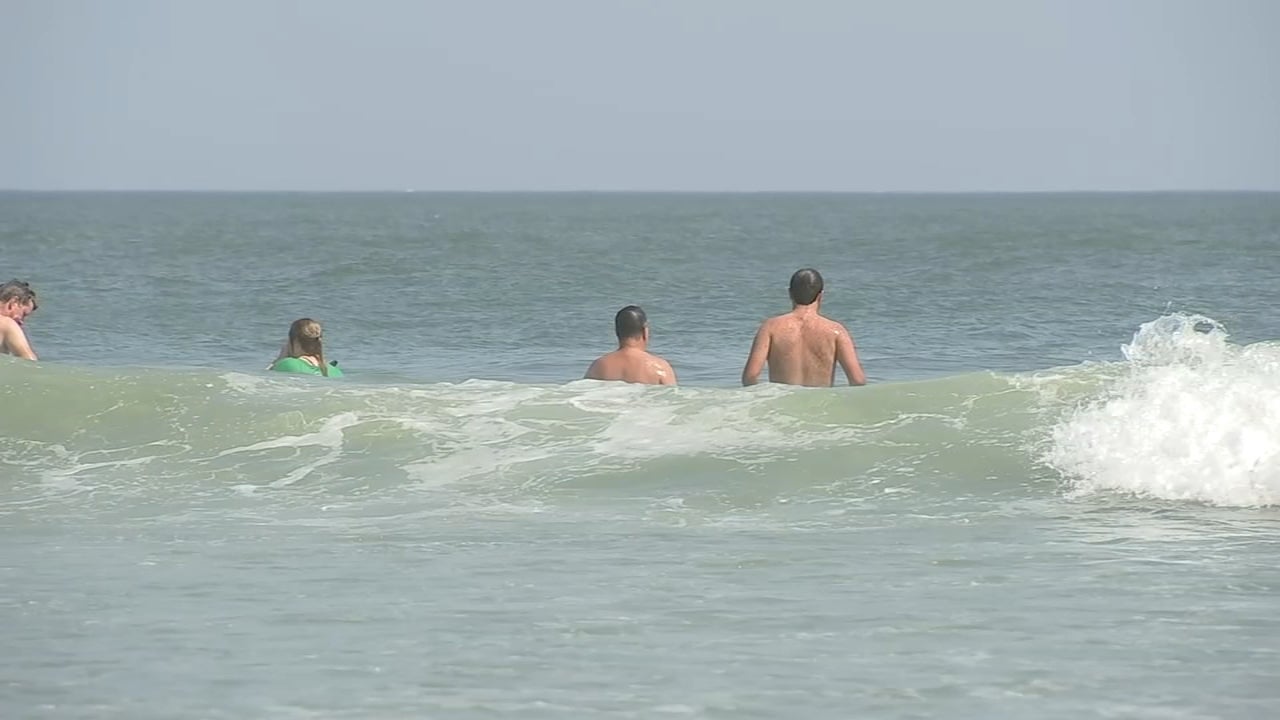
(17, 300)
(631, 324)
(806, 286)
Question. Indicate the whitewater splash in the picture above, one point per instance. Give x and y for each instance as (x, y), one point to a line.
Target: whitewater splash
(1191, 417)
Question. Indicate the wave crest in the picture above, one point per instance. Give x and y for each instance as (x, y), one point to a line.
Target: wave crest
(1187, 416)
(1191, 417)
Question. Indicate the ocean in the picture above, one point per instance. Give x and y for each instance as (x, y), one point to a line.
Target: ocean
(1058, 496)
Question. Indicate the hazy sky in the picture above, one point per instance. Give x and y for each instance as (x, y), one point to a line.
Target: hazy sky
(640, 94)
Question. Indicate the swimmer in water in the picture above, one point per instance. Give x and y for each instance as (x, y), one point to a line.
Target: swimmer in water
(17, 303)
(632, 362)
(802, 347)
(303, 351)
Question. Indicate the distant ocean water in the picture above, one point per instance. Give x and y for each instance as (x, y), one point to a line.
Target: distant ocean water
(1057, 497)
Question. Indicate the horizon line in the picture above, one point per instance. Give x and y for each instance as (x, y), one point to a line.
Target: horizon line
(414, 191)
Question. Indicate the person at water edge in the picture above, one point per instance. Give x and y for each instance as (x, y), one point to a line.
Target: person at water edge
(802, 347)
(632, 362)
(17, 302)
(303, 352)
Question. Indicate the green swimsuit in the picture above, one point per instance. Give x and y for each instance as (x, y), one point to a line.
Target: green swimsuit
(298, 365)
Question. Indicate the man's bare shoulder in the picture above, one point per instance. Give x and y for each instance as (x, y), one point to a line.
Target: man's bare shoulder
(8, 328)
(656, 360)
(833, 326)
(601, 366)
(661, 371)
(776, 322)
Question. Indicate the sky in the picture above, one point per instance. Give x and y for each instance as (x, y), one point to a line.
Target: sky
(650, 95)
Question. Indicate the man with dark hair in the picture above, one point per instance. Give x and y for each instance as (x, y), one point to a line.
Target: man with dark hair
(17, 302)
(632, 362)
(802, 347)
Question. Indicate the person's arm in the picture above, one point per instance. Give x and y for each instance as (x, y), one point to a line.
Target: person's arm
(593, 372)
(847, 356)
(756, 359)
(16, 340)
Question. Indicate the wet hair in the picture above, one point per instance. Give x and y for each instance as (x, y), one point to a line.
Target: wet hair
(806, 286)
(20, 291)
(630, 322)
(305, 339)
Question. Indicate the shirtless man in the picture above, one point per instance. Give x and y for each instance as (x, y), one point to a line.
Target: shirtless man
(802, 347)
(17, 302)
(632, 362)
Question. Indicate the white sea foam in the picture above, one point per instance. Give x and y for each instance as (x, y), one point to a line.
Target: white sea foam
(656, 429)
(1194, 417)
(329, 435)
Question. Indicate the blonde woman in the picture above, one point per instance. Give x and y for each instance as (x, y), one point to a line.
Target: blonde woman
(303, 352)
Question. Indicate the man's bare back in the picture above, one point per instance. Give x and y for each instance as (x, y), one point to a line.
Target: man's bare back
(632, 365)
(632, 362)
(802, 347)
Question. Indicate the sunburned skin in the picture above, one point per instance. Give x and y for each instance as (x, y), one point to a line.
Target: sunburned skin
(632, 365)
(805, 350)
(632, 362)
(13, 336)
(802, 347)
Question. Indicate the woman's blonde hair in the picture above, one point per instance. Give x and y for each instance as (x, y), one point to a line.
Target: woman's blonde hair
(305, 339)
